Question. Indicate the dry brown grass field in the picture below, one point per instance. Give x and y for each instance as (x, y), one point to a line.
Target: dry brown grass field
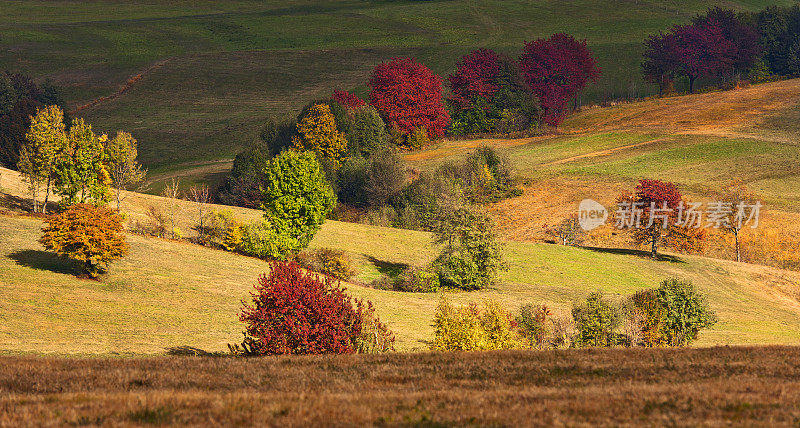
(676, 387)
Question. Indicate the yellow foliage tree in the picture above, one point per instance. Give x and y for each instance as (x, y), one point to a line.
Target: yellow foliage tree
(318, 133)
(45, 140)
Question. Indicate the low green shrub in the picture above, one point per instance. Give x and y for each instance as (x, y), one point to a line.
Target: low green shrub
(419, 280)
(534, 323)
(652, 315)
(375, 336)
(417, 139)
(686, 311)
(596, 319)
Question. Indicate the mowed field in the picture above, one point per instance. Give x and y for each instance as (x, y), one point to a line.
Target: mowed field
(167, 294)
(210, 73)
(612, 387)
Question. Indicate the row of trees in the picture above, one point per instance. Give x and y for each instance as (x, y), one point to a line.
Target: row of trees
(75, 163)
(725, 45)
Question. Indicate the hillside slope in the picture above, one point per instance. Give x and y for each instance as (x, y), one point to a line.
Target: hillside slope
(167, 294)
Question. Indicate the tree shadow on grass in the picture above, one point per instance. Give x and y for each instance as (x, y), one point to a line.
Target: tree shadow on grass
(42, 260)
(390, 269)
(186, 350)
(16, 203)
(637, 253)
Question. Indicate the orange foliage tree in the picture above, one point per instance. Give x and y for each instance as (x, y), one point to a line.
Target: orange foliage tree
(318, 134)
(87, 234)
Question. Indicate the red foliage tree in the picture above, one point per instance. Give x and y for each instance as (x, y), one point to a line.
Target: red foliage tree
(408, 95)
(347, 100)
(297, 312)
(702, 51)
(475, 77)
(557, 69)
(659, 203)
(745, 40)
(660, 60)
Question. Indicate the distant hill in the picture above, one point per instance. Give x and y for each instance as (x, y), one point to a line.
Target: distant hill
(224, 67)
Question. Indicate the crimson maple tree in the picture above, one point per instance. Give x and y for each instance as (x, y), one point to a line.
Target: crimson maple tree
(299, 312)
(347, 99)
(475, 77)
(660, 205)
(557, 69)
(409, 96)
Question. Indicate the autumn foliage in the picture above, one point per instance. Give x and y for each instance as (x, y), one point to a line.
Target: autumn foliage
(557, 69)
(297, 312)
(408, 95)
(317, 132)
(716, 45)
(347, 99)
(88, 234)
(476, 76)
(661, 204)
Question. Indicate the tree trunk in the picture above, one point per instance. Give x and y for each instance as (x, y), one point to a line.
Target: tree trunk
(46, 196)
(691, 84)
(738, 253)
(118, 190)
(654, 243)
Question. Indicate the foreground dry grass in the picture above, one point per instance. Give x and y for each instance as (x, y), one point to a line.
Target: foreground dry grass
(715, 386)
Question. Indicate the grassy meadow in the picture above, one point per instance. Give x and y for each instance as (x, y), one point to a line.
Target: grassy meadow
(215, 71)
(168, 294)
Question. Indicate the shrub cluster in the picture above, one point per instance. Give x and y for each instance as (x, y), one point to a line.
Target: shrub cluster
(671, 315)
(296, 312)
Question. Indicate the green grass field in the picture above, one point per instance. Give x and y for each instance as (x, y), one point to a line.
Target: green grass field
(231, 65)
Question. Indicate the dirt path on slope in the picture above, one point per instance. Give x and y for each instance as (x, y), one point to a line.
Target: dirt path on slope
(601, 152)
(124, 88)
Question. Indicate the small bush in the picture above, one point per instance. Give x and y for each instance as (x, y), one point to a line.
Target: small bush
(158, 224)
(258, 239)
(367, 135)
(417, 139)
(533, 322)
(686, 311)
(375, 337)
(469, 328)
(87, 234)
(418, 280)
(328, 261)
(596, 320)
(385, 178)
(652, 314)
(296, 312)
(216, 228)
(472, 256)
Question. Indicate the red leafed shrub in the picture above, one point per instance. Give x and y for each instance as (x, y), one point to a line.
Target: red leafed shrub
(408, 95)
(348, 100)
(297, 312)
(475, 77)
(557, 69)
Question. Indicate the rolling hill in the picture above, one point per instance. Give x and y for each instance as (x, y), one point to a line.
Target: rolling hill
(169, 294)
(208, 74)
